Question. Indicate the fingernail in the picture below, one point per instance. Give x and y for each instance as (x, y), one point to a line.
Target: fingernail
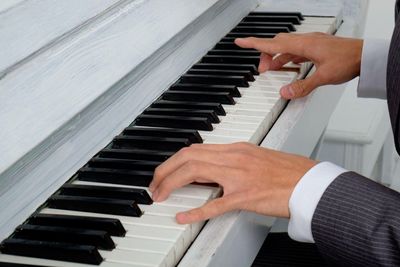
(288, 91)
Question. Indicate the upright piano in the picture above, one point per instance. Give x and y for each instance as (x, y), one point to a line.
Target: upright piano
(95, 94)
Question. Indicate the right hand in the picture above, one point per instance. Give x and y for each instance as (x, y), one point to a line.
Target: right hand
(337, 59)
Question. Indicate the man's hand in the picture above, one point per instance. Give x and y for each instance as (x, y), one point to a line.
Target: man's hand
(253, 178)
(337, 59)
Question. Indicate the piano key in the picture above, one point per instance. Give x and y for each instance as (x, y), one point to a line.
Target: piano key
(92, 204)
(231, 59)
(38, 262)
(199, 96)
(288, 25)
(150, 142)
(189, 191)
(137, 154)
(247, 67)
(250, 34)
(209, 114)
(10, 264)
(246, 74)
(142, 165)
(260, 29)
(277, 14)
(52, 250)
(243, 53)
(96, 238)
(231, 89)
(212, 79)
(260, 18)
(179, 122)
(140, 196)
(138, 257)
(192, 135)
(116, 176)
(153, 221)
(111, 226)
(217, 107)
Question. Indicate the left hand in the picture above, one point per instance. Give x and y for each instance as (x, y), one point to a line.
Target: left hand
(253, 178)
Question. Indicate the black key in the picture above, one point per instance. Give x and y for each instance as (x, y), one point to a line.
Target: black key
(99, 239)
(115, 176)
(136, 154)
(128, 164)
(198, 96)
(246, 74)
(174, 122)
(243, 53)
(246, 67)
(278, 14)
(192, 135)
(217, 107)
(260, 18)
(210, 114)
(214, 79)
(250, 34)
(231, 89)
(150, 142)
(98, 205)
(231, 46)
(260, 29)
(51, 250)
(140, 196)
(231, 59)
(111, 226)
(288, 25)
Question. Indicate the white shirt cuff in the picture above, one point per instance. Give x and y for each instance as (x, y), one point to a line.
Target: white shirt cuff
(373, 68)
(305, 198)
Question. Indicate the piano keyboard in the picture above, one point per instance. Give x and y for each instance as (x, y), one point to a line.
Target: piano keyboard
(104, 214)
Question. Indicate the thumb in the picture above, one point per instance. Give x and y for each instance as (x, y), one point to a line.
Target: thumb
(209, 210)
(300, 88)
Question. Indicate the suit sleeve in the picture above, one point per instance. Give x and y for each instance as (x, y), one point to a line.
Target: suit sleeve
(357, 223)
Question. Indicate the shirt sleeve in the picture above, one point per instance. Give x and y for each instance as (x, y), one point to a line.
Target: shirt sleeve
(372, 83)
(305, 198)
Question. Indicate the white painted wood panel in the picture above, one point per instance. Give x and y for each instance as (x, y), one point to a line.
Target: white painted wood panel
(33, 26)
(8, 4)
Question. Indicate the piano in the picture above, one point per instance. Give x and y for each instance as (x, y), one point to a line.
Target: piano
(94, 95)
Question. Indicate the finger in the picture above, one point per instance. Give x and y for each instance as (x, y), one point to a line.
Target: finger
(300, 88)
(298, 60)
(193, 171)
(265, 46)
(283, 43)
(187, 154)
(265, 62)
(209, 210)
(281, 60)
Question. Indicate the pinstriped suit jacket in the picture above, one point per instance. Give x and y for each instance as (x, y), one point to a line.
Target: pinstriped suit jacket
(357, 221)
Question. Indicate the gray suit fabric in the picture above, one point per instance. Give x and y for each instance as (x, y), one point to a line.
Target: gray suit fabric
(357, 221)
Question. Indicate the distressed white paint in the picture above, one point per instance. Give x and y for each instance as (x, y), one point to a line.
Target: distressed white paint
(32, 26)
(8, 4)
